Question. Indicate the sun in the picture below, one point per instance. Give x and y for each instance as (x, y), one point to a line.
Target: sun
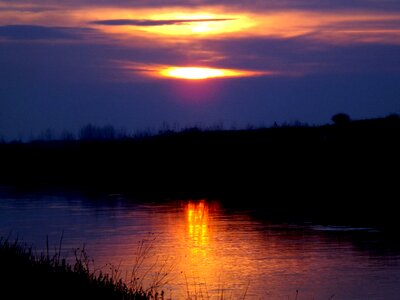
(198, 73)
(193, 73)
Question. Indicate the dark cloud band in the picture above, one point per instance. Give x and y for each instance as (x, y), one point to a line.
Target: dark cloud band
(34, 32)
(133, 22)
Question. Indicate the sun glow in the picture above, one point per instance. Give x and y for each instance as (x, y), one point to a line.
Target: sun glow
(174, 21)
(193, 73)
(198, 73)
(199, 24)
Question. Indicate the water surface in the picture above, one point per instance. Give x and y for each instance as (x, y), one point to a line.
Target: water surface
(207, 250)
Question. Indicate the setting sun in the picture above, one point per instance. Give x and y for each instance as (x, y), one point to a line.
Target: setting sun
(193, 73)
(198, 73)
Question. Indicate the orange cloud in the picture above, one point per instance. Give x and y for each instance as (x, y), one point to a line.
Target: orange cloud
(212, 22)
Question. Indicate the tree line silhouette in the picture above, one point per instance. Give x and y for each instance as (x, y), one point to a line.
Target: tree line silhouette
(328, 171)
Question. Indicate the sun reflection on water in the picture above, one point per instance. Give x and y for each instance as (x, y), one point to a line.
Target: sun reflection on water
(197, 216)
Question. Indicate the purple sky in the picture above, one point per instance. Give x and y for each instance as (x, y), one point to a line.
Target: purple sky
(64, 64)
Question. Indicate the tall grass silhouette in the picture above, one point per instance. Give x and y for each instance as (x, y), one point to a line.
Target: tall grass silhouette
(26, 275)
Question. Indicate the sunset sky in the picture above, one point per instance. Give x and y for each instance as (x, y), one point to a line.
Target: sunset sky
(139, 64)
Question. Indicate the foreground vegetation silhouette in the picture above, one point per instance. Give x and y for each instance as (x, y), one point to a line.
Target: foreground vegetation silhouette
(346, 171)
(25, 275)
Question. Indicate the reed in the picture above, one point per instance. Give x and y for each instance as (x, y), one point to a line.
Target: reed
(25, 275)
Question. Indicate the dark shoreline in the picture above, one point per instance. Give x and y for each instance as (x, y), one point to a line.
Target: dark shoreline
(327, 173)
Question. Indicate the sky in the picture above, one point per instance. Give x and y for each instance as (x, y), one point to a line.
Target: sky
(139, 65)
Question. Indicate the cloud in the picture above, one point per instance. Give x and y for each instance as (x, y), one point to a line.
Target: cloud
(304, 55)
(62, 75)
(391, 24)
(312, 5)
(34, 32)
(133, 22)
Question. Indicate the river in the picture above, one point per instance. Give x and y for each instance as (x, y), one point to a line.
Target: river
(201, 249)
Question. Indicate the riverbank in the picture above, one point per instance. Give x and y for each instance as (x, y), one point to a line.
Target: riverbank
(26, 275)
(345, 172)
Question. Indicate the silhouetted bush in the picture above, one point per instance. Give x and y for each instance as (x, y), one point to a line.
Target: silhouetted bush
(341, 119)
